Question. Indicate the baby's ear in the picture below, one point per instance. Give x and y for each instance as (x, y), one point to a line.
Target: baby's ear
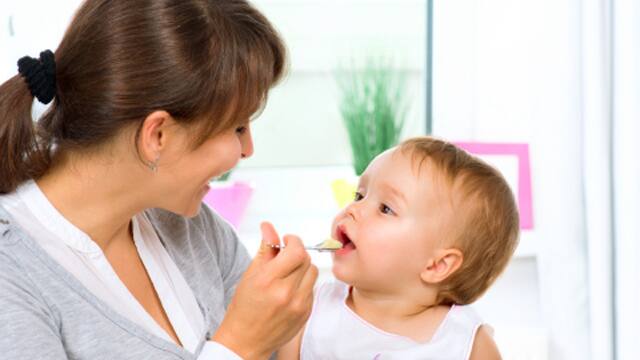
(439, 267)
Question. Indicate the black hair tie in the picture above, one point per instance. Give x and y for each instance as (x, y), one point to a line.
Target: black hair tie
(40, 75)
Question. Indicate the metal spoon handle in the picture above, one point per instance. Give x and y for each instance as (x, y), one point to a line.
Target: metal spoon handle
(316, 248)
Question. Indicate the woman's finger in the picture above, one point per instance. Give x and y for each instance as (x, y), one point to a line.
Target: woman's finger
(309, 280)
(269, 237)
(289, 259)
(303, 301)
(294, 278)
(269, 233)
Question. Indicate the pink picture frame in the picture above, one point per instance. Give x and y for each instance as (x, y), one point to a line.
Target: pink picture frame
(521, 152)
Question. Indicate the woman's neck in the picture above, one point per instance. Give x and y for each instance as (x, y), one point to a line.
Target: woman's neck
(415, 316)
(96, 196)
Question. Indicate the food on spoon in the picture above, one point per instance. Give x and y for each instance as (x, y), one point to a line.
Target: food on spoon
(331, 244)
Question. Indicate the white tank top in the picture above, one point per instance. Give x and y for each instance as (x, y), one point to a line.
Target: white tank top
(334, 331)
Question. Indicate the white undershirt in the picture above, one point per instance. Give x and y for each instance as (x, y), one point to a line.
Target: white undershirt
(83, 258)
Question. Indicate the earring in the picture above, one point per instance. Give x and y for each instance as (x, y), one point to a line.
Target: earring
(154, 165)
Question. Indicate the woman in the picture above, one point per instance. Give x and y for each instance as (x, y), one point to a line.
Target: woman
(105, 249)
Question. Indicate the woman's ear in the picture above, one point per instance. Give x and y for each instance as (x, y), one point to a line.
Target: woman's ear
(154, 135)
(444, 263)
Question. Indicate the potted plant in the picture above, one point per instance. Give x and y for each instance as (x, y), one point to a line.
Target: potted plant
(373, 106)
(229, 198)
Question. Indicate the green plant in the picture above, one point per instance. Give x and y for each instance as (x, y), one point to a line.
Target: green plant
(373, 106)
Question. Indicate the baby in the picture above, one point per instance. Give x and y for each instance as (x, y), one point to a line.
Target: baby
(430, 229)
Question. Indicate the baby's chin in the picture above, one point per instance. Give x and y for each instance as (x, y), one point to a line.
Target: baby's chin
(349, 274)
(342, 273)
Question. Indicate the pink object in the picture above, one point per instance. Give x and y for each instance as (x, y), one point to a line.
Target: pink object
(230, 200)
(521, 151)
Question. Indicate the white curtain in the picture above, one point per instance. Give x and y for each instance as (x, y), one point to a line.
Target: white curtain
(626, 176)
(510, 71)
(563, 77)
(611, 113)
(598, 161)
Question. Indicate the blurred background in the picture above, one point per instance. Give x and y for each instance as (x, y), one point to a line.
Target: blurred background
(548, 91)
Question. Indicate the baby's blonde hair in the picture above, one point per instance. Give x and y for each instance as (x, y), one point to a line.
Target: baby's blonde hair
(487, 221)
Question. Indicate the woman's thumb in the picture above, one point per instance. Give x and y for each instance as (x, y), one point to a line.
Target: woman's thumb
(269, 237)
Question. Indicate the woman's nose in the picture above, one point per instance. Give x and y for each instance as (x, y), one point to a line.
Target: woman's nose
(246, 141)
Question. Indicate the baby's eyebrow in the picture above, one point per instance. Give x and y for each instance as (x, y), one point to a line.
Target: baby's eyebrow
(361, 182)
(394, 192)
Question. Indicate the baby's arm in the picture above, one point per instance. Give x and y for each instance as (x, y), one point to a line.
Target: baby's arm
(291, 350)
(484, 348)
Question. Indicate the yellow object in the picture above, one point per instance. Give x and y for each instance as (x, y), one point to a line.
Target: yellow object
(343, 192)
(331, 244)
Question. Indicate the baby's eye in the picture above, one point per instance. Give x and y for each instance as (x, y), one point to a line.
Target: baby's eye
(386, 210)
(357, 196)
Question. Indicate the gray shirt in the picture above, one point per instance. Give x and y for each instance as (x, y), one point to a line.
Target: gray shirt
(46, 313)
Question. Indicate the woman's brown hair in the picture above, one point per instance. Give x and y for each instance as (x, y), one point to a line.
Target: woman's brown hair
(207, 63)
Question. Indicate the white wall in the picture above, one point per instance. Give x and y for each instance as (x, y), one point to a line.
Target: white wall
(301, 124)
(28, 27)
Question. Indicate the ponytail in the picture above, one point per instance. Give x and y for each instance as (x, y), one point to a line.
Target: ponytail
(24, 153)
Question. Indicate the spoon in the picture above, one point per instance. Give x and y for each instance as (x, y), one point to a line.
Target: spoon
(327, 245)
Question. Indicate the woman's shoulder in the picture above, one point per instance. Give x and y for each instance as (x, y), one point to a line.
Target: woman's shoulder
(11, 257)
(22, 276)
(12, 254)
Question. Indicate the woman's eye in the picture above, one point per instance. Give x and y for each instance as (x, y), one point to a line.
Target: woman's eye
(357, 196)
(241, 130)
(386, 210)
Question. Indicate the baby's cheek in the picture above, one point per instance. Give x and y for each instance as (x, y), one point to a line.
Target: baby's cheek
(384, 246)
(377, 257)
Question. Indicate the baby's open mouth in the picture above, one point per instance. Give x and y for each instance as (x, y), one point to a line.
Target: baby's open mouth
(344, 238)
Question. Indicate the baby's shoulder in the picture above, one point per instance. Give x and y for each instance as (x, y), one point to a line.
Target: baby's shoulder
(461, 319)
(466, 313)
(460, 326)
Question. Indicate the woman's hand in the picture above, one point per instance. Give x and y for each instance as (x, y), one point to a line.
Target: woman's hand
(272, 301)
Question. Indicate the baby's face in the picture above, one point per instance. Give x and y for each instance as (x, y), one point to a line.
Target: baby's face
(397, 220)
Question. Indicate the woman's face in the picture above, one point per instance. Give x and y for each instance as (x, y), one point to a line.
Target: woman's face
(186, 172)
